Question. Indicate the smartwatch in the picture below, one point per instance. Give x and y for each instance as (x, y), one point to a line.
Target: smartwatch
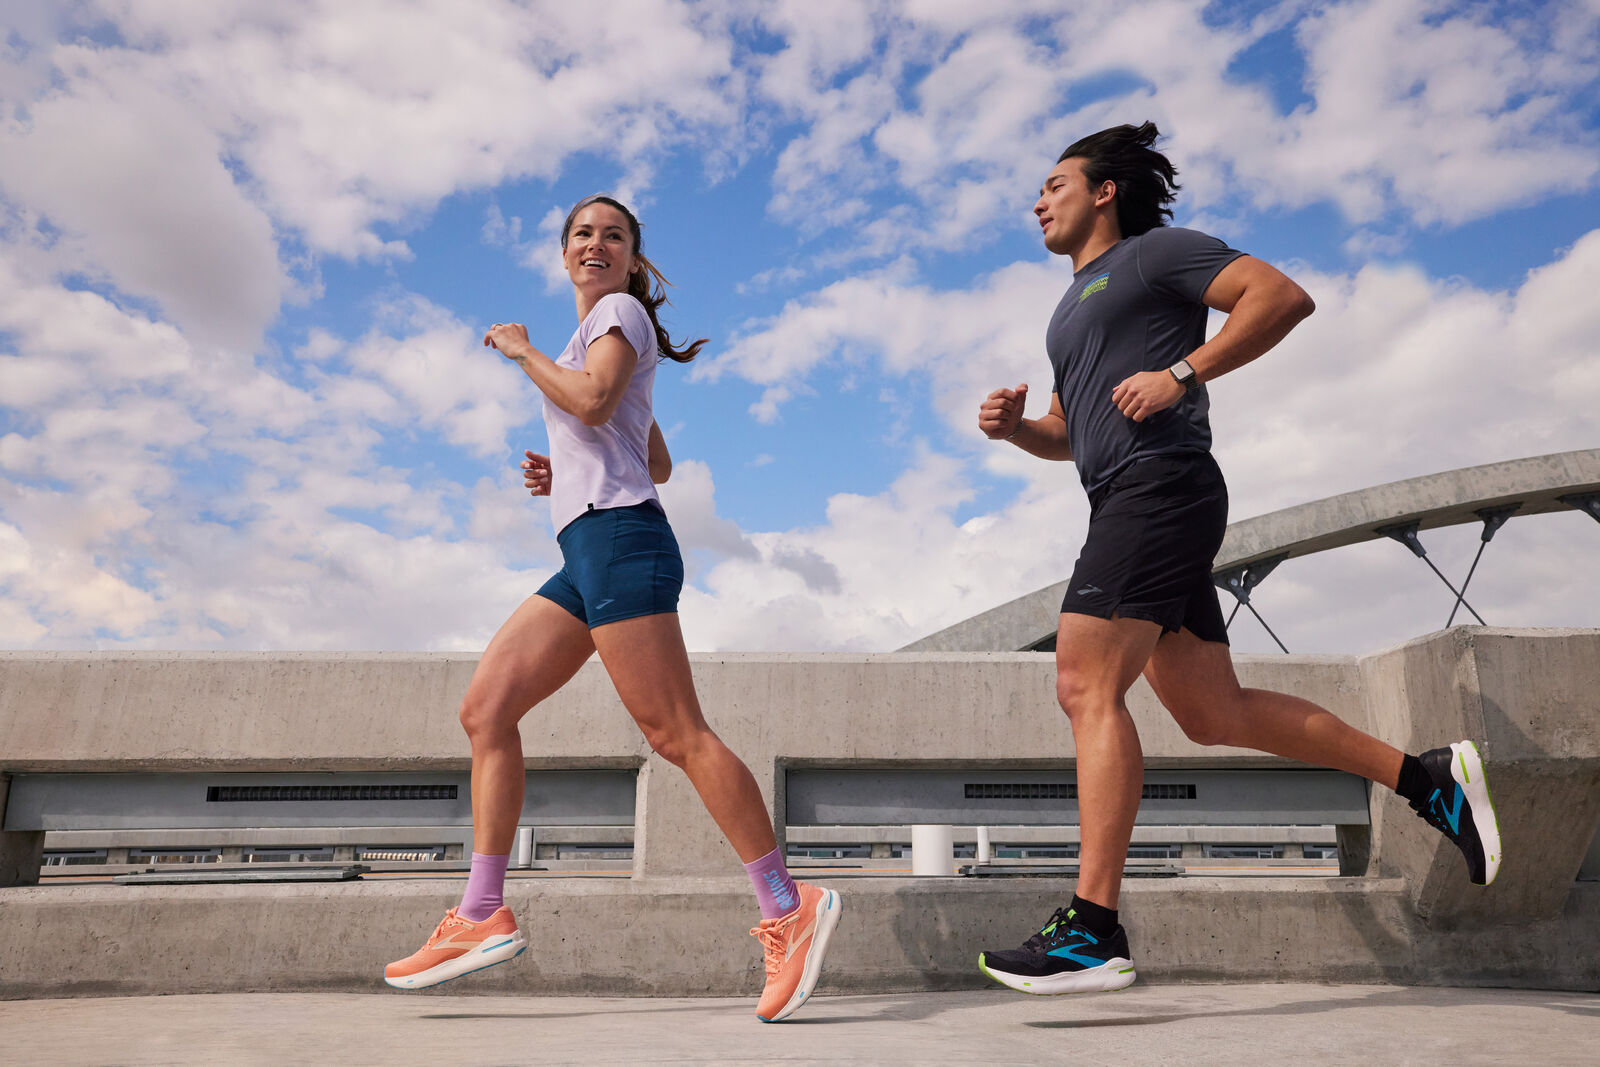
(1184, 375)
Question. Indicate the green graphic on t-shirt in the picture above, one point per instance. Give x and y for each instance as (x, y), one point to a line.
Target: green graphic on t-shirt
(1096, 284)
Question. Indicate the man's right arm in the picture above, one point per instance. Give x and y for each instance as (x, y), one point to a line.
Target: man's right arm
(1000, 419)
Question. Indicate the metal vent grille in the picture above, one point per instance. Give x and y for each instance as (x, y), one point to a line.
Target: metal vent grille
(259, 794)
(1022, 791)
(1066, 791)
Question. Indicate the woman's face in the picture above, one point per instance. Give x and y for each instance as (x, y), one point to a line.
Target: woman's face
(599, 252)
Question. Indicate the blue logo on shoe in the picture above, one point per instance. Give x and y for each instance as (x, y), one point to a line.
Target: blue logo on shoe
(1451, 816)
(1067, 952)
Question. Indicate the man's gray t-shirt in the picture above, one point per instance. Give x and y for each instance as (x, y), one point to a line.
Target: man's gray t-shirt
(1135, 307)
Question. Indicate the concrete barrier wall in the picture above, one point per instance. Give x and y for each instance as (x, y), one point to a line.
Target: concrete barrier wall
(349, 711)
(1525, 694)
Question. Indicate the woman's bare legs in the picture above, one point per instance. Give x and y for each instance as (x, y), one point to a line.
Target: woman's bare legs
(649, 665)
(538, 649)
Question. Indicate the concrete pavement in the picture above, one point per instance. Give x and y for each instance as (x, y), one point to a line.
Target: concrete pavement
(1308, 1025)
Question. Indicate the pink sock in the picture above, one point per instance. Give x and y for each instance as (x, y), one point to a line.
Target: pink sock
(486, 887)
(775, 890)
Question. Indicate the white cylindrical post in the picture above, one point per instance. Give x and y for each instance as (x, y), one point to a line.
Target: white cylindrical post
(522, 851)
(983, 844)
(933, 850)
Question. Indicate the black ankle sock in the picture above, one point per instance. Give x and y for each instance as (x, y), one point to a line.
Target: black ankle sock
(1100, 921)
(1414, 784)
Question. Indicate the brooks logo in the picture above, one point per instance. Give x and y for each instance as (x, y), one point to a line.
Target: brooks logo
(1095, 285)
(603, 603)
(1086, 590)
(780, 895)
(1449, 816)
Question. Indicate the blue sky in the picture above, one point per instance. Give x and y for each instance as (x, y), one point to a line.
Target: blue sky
(247, 251)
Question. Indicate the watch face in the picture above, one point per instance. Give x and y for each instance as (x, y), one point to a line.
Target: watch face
(1183, 372)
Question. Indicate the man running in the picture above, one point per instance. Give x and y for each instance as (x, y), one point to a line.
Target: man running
(1128, 350)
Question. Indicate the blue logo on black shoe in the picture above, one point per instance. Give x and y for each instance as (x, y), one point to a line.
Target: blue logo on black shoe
(1449, 816)
(1066, 952)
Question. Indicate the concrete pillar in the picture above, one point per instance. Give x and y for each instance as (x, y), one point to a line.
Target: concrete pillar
(1527, 701)
(21, 851)
(673, 833)
(1355, 846)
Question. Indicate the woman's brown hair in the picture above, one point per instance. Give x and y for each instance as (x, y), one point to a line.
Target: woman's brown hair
(646, 284)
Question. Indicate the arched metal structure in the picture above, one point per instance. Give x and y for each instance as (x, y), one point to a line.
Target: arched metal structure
(1490, 494)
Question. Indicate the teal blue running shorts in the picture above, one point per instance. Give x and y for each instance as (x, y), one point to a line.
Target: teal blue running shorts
(620, 563)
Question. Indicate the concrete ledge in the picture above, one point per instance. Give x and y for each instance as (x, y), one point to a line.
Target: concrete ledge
(687, 936)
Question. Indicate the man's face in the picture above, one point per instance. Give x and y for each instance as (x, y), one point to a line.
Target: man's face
(1066, 208)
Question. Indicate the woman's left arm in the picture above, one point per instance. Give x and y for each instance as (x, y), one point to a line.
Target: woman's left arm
(590, 395)
(659, 460)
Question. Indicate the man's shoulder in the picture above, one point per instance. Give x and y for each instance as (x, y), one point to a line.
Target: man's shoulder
(1173, 237)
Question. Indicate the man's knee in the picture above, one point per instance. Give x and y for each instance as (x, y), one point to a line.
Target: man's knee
(1205, 718)
(1082, 696)
(1202, 727)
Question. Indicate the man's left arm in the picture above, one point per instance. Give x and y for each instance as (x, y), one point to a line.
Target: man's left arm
(1262, 305)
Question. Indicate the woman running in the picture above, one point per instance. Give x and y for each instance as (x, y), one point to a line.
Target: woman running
(616, 594)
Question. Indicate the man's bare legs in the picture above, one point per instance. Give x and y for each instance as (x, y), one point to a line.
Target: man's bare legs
(1194, 680)
(1097, 660)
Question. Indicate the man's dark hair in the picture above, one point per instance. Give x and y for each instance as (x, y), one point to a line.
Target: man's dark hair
(1143, 176)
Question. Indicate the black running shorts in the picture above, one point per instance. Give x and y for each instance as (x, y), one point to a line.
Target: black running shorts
(1154, 532)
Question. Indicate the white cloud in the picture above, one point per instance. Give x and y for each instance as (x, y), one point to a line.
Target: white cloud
(355, 113)
(141, 194)
(1422, 106)
(446, 377)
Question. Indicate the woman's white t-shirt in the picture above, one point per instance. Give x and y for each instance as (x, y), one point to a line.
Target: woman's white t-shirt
(605, 466)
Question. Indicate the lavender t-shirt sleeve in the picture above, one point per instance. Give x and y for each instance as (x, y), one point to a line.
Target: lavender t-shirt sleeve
(1180, 264)
(621, 310)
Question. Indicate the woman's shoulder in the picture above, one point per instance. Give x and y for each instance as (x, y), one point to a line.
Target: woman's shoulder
(619, 304)
(620, 310)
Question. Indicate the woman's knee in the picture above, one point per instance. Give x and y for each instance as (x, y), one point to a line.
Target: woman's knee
(676, 744)
(486, 718)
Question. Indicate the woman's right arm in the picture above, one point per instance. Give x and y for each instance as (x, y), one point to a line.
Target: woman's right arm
(590, 395)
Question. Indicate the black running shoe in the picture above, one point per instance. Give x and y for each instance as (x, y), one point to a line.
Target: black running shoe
(1459, 807)
(1064, 957)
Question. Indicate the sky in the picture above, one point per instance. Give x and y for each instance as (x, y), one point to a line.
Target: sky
(248, 251)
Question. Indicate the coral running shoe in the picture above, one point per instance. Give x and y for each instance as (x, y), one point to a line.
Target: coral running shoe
(793, 946)
(1459, 807)
(458, 946)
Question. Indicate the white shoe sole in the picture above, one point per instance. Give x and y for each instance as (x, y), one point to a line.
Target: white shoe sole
(1110, 976)
(829, 909)
(1466, 767)
(495, 950)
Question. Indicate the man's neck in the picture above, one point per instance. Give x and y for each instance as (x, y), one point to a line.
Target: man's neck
(1105, 235)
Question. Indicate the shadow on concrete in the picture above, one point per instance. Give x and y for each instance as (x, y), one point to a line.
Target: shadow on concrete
(1387, 997)
(911, 1007)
